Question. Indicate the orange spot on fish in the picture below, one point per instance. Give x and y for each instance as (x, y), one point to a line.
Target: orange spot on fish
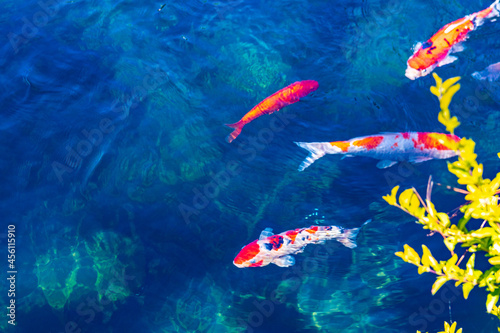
(369, 142)
(437, 141)
(247, 253)
(292, 234)
(405, 135)
(312, 229)
(343, 145)
(394, 145)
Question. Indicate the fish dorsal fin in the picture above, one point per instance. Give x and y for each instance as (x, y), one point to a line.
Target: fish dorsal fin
(346, 155)
(385, 164)
(448, 60)
(453, 26)
(419, 159)
(285, 261)
(268, 232)
(457, 48)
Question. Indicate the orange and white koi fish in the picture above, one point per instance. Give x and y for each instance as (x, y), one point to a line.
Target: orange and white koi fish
(286, 96)
(390, 148)
(491, 73)
(436, 51)
(278, 249)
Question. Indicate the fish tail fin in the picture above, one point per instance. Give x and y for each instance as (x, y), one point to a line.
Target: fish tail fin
(492, 11)
(348, 237)
(496, 9)
(316, 150)
(237, 130)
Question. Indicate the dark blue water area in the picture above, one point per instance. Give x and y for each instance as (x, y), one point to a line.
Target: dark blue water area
(129, 206)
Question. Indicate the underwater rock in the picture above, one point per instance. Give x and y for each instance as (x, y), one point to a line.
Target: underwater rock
(252, 68)
(115, 257)
(56, 273)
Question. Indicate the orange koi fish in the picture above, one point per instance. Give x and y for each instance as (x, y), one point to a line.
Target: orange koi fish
(390, 148)
(278, 249)
(286, 96)
(436, 51)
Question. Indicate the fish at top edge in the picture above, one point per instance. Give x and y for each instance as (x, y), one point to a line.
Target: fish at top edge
(490, 73)
(390, 148)
(283, 97)
(436, 51)
(278, 249)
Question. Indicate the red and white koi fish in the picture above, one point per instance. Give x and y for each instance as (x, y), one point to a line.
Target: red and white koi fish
(286, 96)
(436, 51)
(491, 73)
(390, 148)
(278, 249)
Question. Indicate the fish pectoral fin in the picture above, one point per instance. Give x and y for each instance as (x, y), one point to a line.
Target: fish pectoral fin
(385, 164)
(448, 60)
(457, 48)
(285, 261)
(419, 159)
(416, 47)
(268, 232)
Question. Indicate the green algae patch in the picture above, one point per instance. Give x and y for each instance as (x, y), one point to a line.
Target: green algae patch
(54, 279)
(113, 257)
(254, 69)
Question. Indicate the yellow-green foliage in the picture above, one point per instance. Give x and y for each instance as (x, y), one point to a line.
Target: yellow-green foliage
(480, 212)
(449, 329)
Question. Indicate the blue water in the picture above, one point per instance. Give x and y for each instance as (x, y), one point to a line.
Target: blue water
(113, 143)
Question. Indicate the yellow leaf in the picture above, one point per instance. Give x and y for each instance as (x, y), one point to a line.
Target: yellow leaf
(405, 197)
(400, 254)
(451, 81)
(445, 101)
(494, 260)
(444, 218)
(470, 265)
(439, 81)
(429, 260)
(466, 288)
(435, 91)
(438, 284)
(412, 255)
(491, 300)
(391, 199)
(451, 91)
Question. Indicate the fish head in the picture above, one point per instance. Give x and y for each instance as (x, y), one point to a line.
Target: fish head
(308, 86)
(413, 73)
(421, 63)
(417, 67)
(251, 255)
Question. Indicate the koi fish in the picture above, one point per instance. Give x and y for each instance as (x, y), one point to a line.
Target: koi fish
(436, 51)
(286, 96)
(278, 249)
(390, 148)
(491, 73)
